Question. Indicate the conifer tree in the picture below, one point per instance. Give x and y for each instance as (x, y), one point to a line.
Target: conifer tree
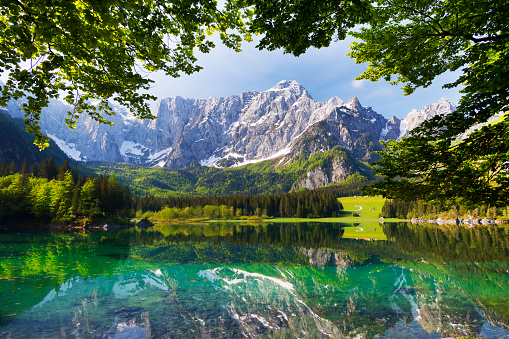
(4, 169)
(63, 169)
(25, 167)
(48, 169)
(13, 168)
(35, 169)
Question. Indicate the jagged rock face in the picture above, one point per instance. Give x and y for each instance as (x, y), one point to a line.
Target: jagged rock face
(274, 119)
(250, 127)
(357, 130)
(230, 131)
(92, 140)
(324, 257)
(415, 117)
(337, 170)
(205, 130)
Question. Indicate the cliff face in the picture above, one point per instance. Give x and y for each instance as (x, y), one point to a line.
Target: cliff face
(336, 169)
(250, 127)
(415, 117)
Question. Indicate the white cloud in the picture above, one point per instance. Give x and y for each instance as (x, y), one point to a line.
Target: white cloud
(357, 83)
(381, 92)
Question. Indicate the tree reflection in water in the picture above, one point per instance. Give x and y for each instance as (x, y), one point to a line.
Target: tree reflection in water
(278, 280)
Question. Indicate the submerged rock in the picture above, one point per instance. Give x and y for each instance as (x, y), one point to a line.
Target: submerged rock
(144, 223)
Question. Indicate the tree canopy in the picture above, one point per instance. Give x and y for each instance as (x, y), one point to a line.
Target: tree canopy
(95, 50)
(450, 157)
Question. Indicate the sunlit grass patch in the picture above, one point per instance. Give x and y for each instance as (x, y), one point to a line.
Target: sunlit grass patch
(363, 213)
(366, 207)
(365, 230)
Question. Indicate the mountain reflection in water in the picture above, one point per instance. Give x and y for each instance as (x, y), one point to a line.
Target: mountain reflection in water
(232, 280)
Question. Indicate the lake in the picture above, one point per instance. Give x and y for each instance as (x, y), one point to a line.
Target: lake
(236, 280)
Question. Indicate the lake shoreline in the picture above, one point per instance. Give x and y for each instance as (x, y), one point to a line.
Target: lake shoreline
(458, 221)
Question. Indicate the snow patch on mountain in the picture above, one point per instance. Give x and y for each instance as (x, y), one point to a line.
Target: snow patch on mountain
(403, 129)
(69, 149)
(281, 153)
(210, 161)
(385, 130)
(131, 148)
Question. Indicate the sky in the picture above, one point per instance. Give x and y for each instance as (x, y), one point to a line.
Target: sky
(325, 73)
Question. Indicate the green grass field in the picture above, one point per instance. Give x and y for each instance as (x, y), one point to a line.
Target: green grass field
(365, 226)
(366, 207)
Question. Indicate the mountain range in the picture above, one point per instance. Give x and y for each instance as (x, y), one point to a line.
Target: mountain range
(282, 123)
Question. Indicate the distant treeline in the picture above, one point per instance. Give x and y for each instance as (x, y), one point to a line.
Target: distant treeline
(48, 192)
(47, 169)
(402, 209)
(349, 189)
(302, 204)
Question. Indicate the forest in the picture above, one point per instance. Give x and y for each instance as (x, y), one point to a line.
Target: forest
(408, 209)
(48, 192)
(301, 204)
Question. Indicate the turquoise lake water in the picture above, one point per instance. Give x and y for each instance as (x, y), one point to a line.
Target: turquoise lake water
(255, 281)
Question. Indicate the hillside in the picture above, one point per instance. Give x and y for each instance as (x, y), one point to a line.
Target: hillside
(16, 144)
(260, 178)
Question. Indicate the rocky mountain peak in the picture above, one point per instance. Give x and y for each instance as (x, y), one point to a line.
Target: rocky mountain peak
(354, 104)
(292, 86)
(416, 117)
(336, 100)
(445, 106)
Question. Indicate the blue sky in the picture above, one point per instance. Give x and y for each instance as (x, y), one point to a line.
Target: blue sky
(323, 72)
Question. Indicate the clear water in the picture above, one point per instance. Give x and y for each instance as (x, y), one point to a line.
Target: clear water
(270, 280)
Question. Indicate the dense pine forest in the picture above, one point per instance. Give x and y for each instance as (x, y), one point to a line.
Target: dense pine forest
(48, 192)
(302, 204)
(403, 209)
